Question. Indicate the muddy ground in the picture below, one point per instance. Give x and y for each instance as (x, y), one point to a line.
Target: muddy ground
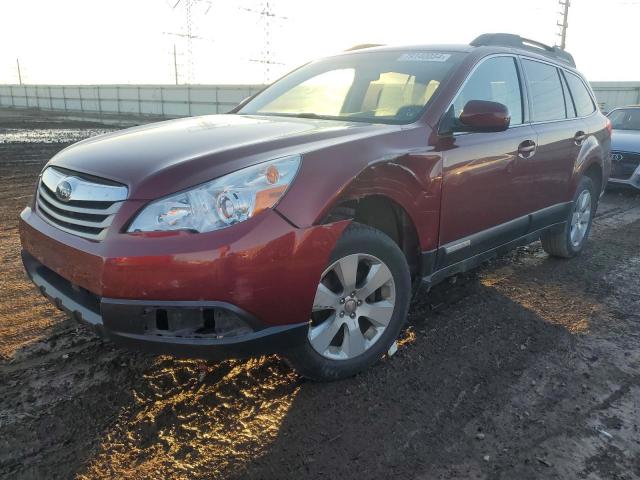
(528, 368)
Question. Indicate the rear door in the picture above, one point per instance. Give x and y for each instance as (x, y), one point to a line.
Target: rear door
(483, 179)
(560, 135)
(594, 123)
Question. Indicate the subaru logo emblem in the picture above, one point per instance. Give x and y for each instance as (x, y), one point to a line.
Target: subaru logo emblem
(63, 191)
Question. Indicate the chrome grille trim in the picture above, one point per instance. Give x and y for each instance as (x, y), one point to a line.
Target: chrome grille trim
(626, 164)
(90, 209)
(83, 223)
(84, 190)
(50, 199)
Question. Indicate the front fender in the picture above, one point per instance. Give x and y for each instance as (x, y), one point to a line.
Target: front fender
(398, 165)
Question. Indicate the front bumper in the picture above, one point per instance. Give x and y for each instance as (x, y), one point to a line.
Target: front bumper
(264, 271)
(633, 181)
(625, 171)
(126, 321)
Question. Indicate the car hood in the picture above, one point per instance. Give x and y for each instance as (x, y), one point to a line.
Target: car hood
(161, 158)
(625, 141)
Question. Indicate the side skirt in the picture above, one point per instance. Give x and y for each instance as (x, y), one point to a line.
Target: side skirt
(467, 264)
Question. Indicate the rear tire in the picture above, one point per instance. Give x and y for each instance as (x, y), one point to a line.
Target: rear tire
(569, 240)
(360, 307)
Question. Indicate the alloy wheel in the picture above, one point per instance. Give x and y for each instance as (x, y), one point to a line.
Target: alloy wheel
(353, 306)
(580, 218)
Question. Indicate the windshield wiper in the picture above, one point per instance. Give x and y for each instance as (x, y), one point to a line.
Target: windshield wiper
(344, 118)
(308, 115)
(301, 115)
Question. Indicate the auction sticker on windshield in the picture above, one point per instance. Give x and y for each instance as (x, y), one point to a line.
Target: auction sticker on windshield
(424, 57)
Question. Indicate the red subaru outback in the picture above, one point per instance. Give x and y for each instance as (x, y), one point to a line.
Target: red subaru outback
(302, 222)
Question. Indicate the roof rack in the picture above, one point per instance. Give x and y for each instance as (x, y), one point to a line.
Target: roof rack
(363, 46)
(516, 41)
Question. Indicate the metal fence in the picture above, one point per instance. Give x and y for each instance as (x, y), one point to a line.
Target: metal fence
(139, 100)
(168, 101)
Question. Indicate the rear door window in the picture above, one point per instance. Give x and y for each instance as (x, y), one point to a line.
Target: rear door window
(545, 90)
(495, 80)
(581, 96)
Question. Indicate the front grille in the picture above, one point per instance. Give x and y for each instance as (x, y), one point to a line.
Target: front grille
(624, 164)
(87, 212)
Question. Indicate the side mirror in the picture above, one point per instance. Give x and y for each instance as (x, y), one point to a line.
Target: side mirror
(484, 116)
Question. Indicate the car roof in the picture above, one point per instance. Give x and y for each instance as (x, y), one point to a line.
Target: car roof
(484, 44)
(404, 48)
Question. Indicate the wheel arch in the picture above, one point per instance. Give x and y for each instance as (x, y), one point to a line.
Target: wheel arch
(594, 171)
(386, 214)
(590, 162)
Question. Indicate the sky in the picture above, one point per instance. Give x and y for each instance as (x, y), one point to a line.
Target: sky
(132, 41)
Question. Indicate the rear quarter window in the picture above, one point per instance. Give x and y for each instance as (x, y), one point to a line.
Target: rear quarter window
(581, 97)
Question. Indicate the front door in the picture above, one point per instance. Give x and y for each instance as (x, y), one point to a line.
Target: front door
(483, 173)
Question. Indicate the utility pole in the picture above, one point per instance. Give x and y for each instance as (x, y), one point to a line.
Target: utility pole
(19, 73)
(564, 4)
(175, 63)
(189, 40)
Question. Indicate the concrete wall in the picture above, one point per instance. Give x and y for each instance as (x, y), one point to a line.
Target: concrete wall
(169, 101)
(139, 100)
(616, 94)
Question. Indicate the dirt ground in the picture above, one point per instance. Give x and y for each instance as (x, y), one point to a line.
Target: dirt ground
(528, 368)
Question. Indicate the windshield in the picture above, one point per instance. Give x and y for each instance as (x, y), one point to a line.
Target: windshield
(625, 119)
(378, 87)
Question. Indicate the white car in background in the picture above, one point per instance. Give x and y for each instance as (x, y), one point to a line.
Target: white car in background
(625, 146)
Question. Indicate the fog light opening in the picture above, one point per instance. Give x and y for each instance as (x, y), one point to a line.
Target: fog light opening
(162, 319)
(208, 321)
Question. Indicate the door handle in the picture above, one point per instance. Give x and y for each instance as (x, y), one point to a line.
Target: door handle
(527, 149)
(579, 137)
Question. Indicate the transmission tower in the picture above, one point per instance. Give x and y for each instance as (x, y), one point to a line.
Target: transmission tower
(188, 34)
(267, 18)
(563, 24)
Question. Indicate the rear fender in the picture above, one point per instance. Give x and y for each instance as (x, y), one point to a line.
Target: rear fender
(591, 153)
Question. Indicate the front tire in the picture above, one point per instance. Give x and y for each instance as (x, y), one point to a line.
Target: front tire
(569, 241)
(360, 306)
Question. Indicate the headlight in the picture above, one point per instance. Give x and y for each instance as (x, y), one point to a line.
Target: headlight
(222, 202)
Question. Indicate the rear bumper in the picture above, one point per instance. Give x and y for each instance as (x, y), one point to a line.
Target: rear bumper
(125, 321)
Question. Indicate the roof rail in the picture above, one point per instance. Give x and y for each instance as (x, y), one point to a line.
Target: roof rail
(516, 41)
(363, 46)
